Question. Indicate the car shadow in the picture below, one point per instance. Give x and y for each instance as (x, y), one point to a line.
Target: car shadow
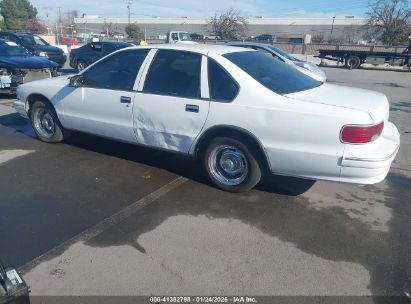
(180, 164)
(173, 162)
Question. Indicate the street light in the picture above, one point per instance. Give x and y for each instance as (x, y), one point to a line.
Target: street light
(332, 29)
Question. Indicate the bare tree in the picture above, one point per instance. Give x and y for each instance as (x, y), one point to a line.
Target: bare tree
(318, 38)
(35, 26)
(67, 22)
(108, 28)
(391, 20)
(229, 25)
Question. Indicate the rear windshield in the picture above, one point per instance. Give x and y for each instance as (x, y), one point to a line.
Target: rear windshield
(276, 75)
(281, 52)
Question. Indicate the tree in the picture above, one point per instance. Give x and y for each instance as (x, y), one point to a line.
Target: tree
(133, 31)
(391, 20)
(108, 28)
(67, 22)
(318, 38)
(229, 25)
(35, 26)
(16, 13)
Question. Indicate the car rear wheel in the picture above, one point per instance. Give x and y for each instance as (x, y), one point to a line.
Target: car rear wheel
(353, 62)
(45, 123)
(81, 65)
(231, 165)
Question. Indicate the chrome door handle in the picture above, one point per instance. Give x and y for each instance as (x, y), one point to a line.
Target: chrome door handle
(192, 108)
(125, 99)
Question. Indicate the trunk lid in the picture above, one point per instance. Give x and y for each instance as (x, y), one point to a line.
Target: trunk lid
(374, 103)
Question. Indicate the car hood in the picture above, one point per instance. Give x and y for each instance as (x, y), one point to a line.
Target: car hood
(44, 48)
(26, 62)
(374, 103)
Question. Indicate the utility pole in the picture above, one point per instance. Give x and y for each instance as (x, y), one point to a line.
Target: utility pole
(129, 8)
(332, 29)
(61, 27)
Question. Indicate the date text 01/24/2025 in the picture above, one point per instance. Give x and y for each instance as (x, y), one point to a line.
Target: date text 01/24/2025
(203, 299)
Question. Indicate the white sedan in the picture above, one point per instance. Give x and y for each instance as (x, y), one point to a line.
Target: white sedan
(240, 112)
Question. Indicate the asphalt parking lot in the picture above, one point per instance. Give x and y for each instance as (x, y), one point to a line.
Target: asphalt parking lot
(97, 217)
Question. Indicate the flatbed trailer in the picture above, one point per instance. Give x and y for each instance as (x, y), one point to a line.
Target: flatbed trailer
(354, 59)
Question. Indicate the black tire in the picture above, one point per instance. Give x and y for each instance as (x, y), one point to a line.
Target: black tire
(237, 155)
(353, 62)
(81, 65)
(45, 123)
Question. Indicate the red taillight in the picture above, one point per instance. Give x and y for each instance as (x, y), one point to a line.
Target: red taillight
(361, 134)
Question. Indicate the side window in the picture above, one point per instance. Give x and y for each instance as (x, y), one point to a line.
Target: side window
(117, 72)
(108, 48)
(175, 73)
(12, 38)
(97, 47)
(174, 36)
(222, 86)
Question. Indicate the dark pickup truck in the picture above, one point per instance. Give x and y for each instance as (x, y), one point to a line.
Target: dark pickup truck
(353, 58)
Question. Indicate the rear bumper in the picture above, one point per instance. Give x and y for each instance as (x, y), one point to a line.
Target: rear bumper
(369, 164)
(357, 164)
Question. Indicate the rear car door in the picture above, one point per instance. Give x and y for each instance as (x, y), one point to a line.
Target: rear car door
(104, 104)
(172, 104)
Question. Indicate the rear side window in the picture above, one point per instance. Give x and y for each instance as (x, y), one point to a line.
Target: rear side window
(174, 73)
(222, 86)
(116, 72)
(277, 76)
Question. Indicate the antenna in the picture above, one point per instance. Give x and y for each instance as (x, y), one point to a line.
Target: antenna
(129, 8)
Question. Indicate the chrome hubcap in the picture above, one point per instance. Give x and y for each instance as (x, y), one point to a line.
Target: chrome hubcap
(44, 123)
(80, 66)
(228, 165)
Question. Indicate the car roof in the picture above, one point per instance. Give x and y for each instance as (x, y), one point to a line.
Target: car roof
(198, 48)
(263, 45)
(4, 41)
(114, 42)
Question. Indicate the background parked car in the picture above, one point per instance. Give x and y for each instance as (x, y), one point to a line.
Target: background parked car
(84, 56)
(69, 41)
(196, 37)
(212, 37)
(305, 67)
(17, 66)
(37, 46)
(265, 38)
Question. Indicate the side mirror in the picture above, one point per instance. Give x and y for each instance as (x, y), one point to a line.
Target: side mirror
(77, 81)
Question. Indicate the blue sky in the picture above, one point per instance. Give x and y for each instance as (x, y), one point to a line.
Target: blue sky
(205, 8)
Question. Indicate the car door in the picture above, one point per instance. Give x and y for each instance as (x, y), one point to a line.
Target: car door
(172, 104)
(94, 53)
(103, 105)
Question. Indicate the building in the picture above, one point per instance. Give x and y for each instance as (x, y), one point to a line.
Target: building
(348, 28)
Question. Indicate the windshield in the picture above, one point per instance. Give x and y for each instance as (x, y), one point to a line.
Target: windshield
(276, 75)
(184, 36)
(281, 52)
(32, 40)
(12, 49)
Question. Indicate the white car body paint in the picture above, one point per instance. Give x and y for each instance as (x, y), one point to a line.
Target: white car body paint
(299, 132)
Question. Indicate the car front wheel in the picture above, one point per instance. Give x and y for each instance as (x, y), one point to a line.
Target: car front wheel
(45, 123)
(81, 65)
(231, 165)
